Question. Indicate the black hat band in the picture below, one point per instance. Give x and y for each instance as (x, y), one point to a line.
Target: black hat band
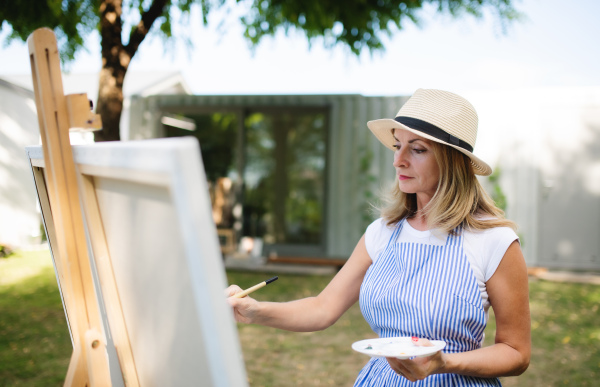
(434, 131)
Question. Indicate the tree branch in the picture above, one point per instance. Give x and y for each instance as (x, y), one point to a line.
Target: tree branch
(110, 28)
(138, 34)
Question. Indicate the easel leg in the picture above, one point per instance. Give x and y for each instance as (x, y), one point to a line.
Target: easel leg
(97, 360)
(92, 365)
(77, 372)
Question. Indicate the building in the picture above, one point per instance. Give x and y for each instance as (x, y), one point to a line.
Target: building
(295, 174)
(302, 169)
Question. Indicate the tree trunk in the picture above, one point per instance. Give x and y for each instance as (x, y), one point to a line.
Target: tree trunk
(110, 102)
(115, 62)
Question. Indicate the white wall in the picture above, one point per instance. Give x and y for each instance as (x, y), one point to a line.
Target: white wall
(547, 144)
(19, 217)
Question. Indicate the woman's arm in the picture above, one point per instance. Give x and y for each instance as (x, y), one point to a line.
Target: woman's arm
(508, 290)
(312, 313)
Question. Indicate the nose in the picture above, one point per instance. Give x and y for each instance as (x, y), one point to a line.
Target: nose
(400, 158)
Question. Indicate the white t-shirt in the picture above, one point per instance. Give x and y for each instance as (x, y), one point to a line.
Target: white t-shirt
(484, 249)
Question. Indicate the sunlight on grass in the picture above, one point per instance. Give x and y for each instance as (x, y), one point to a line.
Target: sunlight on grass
(23, 265)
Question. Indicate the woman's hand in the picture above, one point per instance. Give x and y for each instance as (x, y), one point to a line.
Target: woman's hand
(419, 368)
(244, 309)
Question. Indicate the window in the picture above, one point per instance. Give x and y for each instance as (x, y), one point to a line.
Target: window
(266, 170)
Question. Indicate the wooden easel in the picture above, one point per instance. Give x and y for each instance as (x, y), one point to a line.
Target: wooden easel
(57, 114)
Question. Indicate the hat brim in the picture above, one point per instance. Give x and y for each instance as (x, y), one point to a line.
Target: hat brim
(382, 130)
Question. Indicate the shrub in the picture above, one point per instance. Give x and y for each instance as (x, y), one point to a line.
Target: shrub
(5, 250)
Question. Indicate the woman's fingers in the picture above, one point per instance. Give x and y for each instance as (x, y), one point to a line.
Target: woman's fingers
(231, 290)
(399, 368)
(239, 305)
(419, 368)
(244, 309)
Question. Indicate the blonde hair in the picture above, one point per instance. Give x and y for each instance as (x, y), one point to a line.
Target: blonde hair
(459, 200)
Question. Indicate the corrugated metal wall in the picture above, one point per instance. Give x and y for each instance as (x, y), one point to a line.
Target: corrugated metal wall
(351, 148)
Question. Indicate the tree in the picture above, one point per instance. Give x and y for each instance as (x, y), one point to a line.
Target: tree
(357, 24)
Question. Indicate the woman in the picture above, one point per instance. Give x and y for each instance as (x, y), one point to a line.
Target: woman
(440, 255)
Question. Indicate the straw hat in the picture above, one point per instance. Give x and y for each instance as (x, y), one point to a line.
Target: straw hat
(439, 116)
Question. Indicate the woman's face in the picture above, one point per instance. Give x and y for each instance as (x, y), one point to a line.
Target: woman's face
(417, 169)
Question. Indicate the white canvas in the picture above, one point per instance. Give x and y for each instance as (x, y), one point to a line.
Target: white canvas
(154, 206)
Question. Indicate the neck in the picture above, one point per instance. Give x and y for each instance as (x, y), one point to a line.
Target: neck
(418, 221)
(423, 200)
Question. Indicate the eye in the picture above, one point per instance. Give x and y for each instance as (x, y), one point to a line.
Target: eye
(396, 146)
(419, 150)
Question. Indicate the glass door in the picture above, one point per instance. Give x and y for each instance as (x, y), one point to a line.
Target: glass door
(266, 170)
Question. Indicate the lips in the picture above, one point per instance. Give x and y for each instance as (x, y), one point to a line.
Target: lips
(403, 177)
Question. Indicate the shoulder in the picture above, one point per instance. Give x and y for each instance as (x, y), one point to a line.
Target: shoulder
(488, 247)
(377, 235)
(378, 225)
(491, 235)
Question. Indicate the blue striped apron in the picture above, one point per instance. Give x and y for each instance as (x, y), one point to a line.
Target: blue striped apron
(414, 289)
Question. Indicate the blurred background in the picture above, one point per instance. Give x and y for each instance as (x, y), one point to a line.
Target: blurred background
(281, 121)
(281, 118)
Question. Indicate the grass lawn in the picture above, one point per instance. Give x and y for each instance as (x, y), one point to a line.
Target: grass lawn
(35, 346)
